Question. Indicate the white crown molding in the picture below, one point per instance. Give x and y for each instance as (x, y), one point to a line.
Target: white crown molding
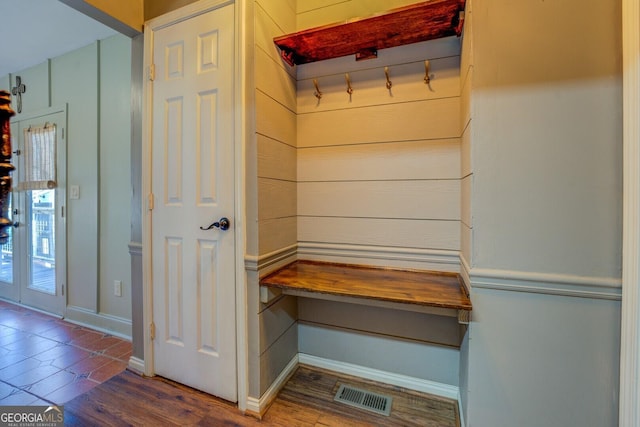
(629, 415)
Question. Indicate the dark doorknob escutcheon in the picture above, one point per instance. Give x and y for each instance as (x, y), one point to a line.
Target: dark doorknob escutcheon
(223, 224)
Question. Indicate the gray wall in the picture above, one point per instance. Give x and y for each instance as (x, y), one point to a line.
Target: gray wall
(95, 83)
(541, 233)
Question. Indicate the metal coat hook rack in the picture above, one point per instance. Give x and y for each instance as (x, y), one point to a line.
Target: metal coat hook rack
(386, 74)
(427, 78)
(317, 93)
(388, 83)
(348, 79)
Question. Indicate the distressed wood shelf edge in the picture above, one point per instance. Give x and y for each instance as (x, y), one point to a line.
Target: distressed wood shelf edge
(363, 37)
(425, 291)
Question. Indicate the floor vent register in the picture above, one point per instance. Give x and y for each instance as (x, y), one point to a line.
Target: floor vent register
(363, 399)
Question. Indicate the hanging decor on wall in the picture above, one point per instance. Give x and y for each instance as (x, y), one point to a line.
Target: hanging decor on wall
(17, 91)
(5, 163)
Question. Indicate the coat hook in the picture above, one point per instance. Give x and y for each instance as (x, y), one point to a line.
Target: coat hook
(317, 93)
(427, 79)
(348, 79)
(386, 73)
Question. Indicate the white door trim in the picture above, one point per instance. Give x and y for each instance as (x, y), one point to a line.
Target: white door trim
(61, 194)
(186, 12)
(629, 414)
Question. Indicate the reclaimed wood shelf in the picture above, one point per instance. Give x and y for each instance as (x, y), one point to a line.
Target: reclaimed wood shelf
(363, 37)
(408, 289)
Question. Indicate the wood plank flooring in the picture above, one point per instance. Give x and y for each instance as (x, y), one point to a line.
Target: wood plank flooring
(306, 400)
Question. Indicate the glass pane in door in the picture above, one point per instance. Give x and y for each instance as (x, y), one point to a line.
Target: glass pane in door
(42, 252)
(6, 254)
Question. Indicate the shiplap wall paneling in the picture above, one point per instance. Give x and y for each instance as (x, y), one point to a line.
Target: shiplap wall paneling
(379, 184)
(275, 120)
(278, 338)
(427, 328)
(272, 80)
(427, 199)
(266, 28)
(466, 166)
(422, 159)
(276, 198)
(277, 234)
(276, 160)
(398, 233)
(313, 13)
(276, 342)
(417, 120)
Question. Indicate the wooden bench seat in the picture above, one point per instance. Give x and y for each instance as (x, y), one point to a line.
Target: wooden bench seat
(405, 289)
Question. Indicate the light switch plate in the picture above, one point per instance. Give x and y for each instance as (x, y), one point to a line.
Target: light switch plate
(74, 192)
(117, 288)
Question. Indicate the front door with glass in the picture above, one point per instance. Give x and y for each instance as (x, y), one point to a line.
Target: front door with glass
(33, 271)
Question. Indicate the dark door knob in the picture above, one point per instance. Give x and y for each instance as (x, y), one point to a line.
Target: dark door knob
(223, 224)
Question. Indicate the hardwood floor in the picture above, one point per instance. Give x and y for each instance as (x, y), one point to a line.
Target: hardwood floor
(306, 400)
(45, 360)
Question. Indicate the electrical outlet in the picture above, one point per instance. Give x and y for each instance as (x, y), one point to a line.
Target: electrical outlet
(117, 288)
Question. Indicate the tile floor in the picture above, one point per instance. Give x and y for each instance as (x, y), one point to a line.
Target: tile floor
(45, 360)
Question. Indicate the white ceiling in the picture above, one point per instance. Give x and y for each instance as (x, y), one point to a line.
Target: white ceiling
(32, 31)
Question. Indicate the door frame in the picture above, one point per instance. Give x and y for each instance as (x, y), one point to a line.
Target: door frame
(240, 85)
(629, 413)
(61, 201)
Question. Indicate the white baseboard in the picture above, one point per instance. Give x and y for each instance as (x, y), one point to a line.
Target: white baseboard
(460, 411)
(136, 365)
(411, 383)
(259, 406)
(98, 321)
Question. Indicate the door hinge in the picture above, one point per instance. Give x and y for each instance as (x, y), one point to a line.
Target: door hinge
(63, 289)
(150, 201)
(61, 211)
(151, 72)
(152, 331)
(62, 136)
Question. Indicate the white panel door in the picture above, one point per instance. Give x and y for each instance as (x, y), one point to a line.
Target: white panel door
(193, 186)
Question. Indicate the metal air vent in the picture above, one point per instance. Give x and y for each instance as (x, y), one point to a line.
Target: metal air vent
(364, 399)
